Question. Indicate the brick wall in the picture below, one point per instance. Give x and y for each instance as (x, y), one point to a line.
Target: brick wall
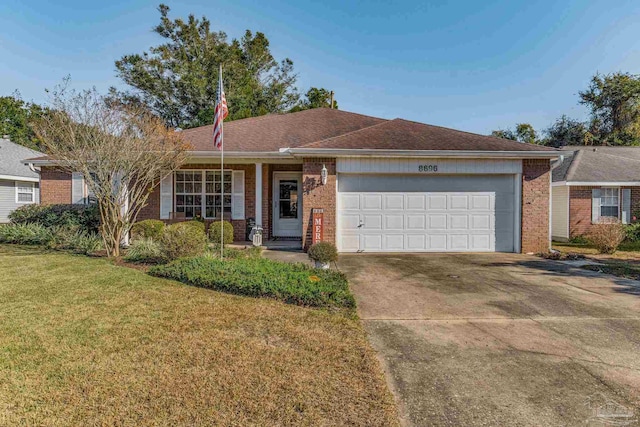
(535, 205)
(580, 208)
(55, 186)
(316, 195)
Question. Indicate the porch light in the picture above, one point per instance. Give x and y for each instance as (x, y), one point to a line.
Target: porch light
(323, 175)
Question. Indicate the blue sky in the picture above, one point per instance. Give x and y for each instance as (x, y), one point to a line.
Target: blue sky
(471, 65)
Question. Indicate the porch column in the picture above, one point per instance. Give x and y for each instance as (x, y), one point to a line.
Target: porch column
(259, 194)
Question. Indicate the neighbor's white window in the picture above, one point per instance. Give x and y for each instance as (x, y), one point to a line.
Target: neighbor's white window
(25, 192)
(610, 202)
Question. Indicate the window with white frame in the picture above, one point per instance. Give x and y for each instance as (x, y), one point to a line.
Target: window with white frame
(215, 185)
(25, 192)
(199, 193)
(610, 202)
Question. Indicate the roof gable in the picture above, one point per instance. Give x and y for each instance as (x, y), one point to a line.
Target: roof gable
(11, 156)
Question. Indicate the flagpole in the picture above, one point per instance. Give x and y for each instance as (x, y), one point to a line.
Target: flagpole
(221, 170)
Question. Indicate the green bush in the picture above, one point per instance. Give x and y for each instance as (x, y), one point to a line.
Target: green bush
(86, 217)
(215, 230)
(180, 240)
(146, 251)
(235, 253)
(580, 239)
(26, 234)
(324, 252)
(199, 225)
(632, 232)
(147, 229)
(261, 277)
(78, 241)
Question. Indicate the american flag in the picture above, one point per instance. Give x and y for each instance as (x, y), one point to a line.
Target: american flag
(221, 112)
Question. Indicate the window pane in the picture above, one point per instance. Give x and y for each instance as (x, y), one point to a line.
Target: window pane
(609, 211)
(25, 197)
(287, 188)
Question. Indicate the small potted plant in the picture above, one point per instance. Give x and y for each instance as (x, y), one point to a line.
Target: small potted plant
(323, 253)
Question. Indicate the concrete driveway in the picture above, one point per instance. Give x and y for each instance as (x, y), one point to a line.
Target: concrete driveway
(500, 339)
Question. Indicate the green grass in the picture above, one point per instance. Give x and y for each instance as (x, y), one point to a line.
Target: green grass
(85, 342)
(259, 277)
(617, 268)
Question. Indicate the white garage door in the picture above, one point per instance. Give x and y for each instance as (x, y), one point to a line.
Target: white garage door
(416, 213)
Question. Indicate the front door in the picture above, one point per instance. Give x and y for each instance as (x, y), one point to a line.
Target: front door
(287, 204)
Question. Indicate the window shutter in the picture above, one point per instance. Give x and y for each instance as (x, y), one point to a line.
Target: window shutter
(166, 196)
(626, 206)
(237, 195)
(595, 205)
(77, 188)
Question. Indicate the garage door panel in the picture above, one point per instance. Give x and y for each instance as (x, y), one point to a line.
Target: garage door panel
(416, 222)
(394, 202)
(418, 213)
(416, 242)
(394, 242)
(437, 202)
(438, 222)
(416, 202)
(394, 222)
(371, 202)
(371, 242)
(458, 222)
(438, 242)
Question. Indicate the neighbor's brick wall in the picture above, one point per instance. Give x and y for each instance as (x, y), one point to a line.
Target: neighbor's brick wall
(55, 186)
(316, 195)
(580, 208)
(535, 205)
(152, 210)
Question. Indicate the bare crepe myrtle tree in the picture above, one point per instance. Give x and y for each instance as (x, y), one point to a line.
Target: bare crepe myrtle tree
(122, 152)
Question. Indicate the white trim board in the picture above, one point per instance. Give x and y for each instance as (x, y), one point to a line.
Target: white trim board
(19, 178)
(596, 184)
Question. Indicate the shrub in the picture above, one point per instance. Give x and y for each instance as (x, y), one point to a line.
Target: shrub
(197, 224)
(87, 217)
(632, 232)
(580, 239)
(607, 236)
(261, 277)
(235, 253)
(147, 229)
(180, 241)
(323, 252)
(146, 251)
(215, 230)
(26, 234)
(83, 243)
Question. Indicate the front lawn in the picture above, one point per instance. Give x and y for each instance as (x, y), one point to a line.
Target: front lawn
(85, 342)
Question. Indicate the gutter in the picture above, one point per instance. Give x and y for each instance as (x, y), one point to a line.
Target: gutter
(323, 152)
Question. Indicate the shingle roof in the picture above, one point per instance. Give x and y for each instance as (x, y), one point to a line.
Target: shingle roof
(275, 131)
(11, 156)
(399, 134)
(599, 164)
(327, 128)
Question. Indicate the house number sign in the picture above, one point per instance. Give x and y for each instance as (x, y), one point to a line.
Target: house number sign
(428, 168)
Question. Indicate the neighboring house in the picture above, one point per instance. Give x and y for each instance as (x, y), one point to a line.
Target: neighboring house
(18, 182)
(594, 184)
(388, 186)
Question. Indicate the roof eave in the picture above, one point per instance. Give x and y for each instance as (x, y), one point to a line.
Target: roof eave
(475, 154)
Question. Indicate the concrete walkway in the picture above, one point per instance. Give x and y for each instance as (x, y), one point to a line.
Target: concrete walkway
(497, 339)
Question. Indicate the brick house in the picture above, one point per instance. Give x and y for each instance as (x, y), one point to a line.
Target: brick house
(593, 184)
(381, 185)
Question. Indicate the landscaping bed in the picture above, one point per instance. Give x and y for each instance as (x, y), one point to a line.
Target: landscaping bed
(620, 269)
(259, 277)
(86, 342)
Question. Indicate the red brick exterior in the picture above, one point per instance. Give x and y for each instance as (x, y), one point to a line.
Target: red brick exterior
(316, 195)
(536, 177)
(580, 208)
(55, 186)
